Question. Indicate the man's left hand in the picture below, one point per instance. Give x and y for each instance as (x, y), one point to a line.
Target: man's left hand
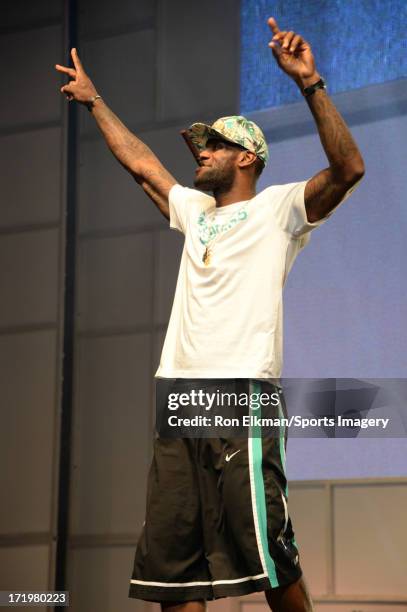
(293, 54)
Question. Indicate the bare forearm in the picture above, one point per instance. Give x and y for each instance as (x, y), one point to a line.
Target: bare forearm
(341, 150)
(324, 191)
(130, 151)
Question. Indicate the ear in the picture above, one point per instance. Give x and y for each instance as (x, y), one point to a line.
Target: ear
(246, 159)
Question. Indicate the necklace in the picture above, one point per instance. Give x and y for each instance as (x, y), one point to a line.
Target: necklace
(208, 234)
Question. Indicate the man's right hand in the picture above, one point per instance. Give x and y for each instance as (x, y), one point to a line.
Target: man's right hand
(80, 88)
(131, 152)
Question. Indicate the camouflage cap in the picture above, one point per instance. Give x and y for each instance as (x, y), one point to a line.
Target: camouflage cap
(235, 128)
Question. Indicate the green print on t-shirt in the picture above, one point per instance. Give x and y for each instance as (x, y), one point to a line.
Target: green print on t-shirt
(208, 232)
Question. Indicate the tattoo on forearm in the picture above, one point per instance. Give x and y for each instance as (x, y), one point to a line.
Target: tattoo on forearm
(123, 143)
(336, 138)
(136, 157)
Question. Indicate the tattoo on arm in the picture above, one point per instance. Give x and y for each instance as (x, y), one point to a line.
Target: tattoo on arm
(135, 156)
(340, 148)
(157, 182)
(327, 188)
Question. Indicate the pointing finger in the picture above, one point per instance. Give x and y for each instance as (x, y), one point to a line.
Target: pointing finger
(76, 61)
(273, 25)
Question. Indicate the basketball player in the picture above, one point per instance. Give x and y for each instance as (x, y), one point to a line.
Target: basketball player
(217, 523)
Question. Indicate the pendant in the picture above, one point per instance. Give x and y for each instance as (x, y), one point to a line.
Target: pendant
(206, 257)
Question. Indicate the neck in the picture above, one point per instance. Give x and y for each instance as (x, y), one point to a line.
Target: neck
(234, 194)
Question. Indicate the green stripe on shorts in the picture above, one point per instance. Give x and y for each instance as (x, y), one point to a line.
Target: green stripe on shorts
(260, 495)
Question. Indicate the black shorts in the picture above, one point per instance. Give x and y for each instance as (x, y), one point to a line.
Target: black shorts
(217, 523)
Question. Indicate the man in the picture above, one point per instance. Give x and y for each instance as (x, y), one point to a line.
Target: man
(217, 521)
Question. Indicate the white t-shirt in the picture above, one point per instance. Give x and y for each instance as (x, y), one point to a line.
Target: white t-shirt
(227, 317)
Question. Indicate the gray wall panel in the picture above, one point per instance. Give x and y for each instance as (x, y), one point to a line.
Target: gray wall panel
(31, 175)
(24, 568)
(29, 277)
(111, 434)
(122, 69)
(370, 534)
(31, 158)
(115, 282)
(99, 580)
(308, 511)
(32, 93)
(159, 338)
(20, 13)
(199, 50)
(109, 196)
(97, 18)
(27, 383)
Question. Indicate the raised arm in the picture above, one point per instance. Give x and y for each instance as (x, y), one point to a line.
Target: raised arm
(132, 153)
(346, 168)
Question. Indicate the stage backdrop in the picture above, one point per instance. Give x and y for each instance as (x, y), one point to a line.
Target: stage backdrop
(346, 297)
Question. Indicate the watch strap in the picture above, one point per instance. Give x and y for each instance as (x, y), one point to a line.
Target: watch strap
(308, 91)
(90, 103)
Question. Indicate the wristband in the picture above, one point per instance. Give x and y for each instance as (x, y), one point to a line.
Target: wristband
(90, 103)
(308, 91)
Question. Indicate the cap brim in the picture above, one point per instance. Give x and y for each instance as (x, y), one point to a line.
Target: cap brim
(194, 149)
(200, 132)
(196, 137)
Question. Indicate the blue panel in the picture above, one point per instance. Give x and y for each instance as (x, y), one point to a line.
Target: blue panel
(355, 43)
(345, 300)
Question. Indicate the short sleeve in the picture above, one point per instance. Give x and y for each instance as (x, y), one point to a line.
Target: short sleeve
(184, 202)
(177, 199)
(288, 205)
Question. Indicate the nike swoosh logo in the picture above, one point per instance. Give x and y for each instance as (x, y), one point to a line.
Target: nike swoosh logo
(229, 457)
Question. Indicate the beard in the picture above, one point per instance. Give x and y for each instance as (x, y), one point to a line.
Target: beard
(216, 179)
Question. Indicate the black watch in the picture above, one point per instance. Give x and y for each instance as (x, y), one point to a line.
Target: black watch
(308, 91)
